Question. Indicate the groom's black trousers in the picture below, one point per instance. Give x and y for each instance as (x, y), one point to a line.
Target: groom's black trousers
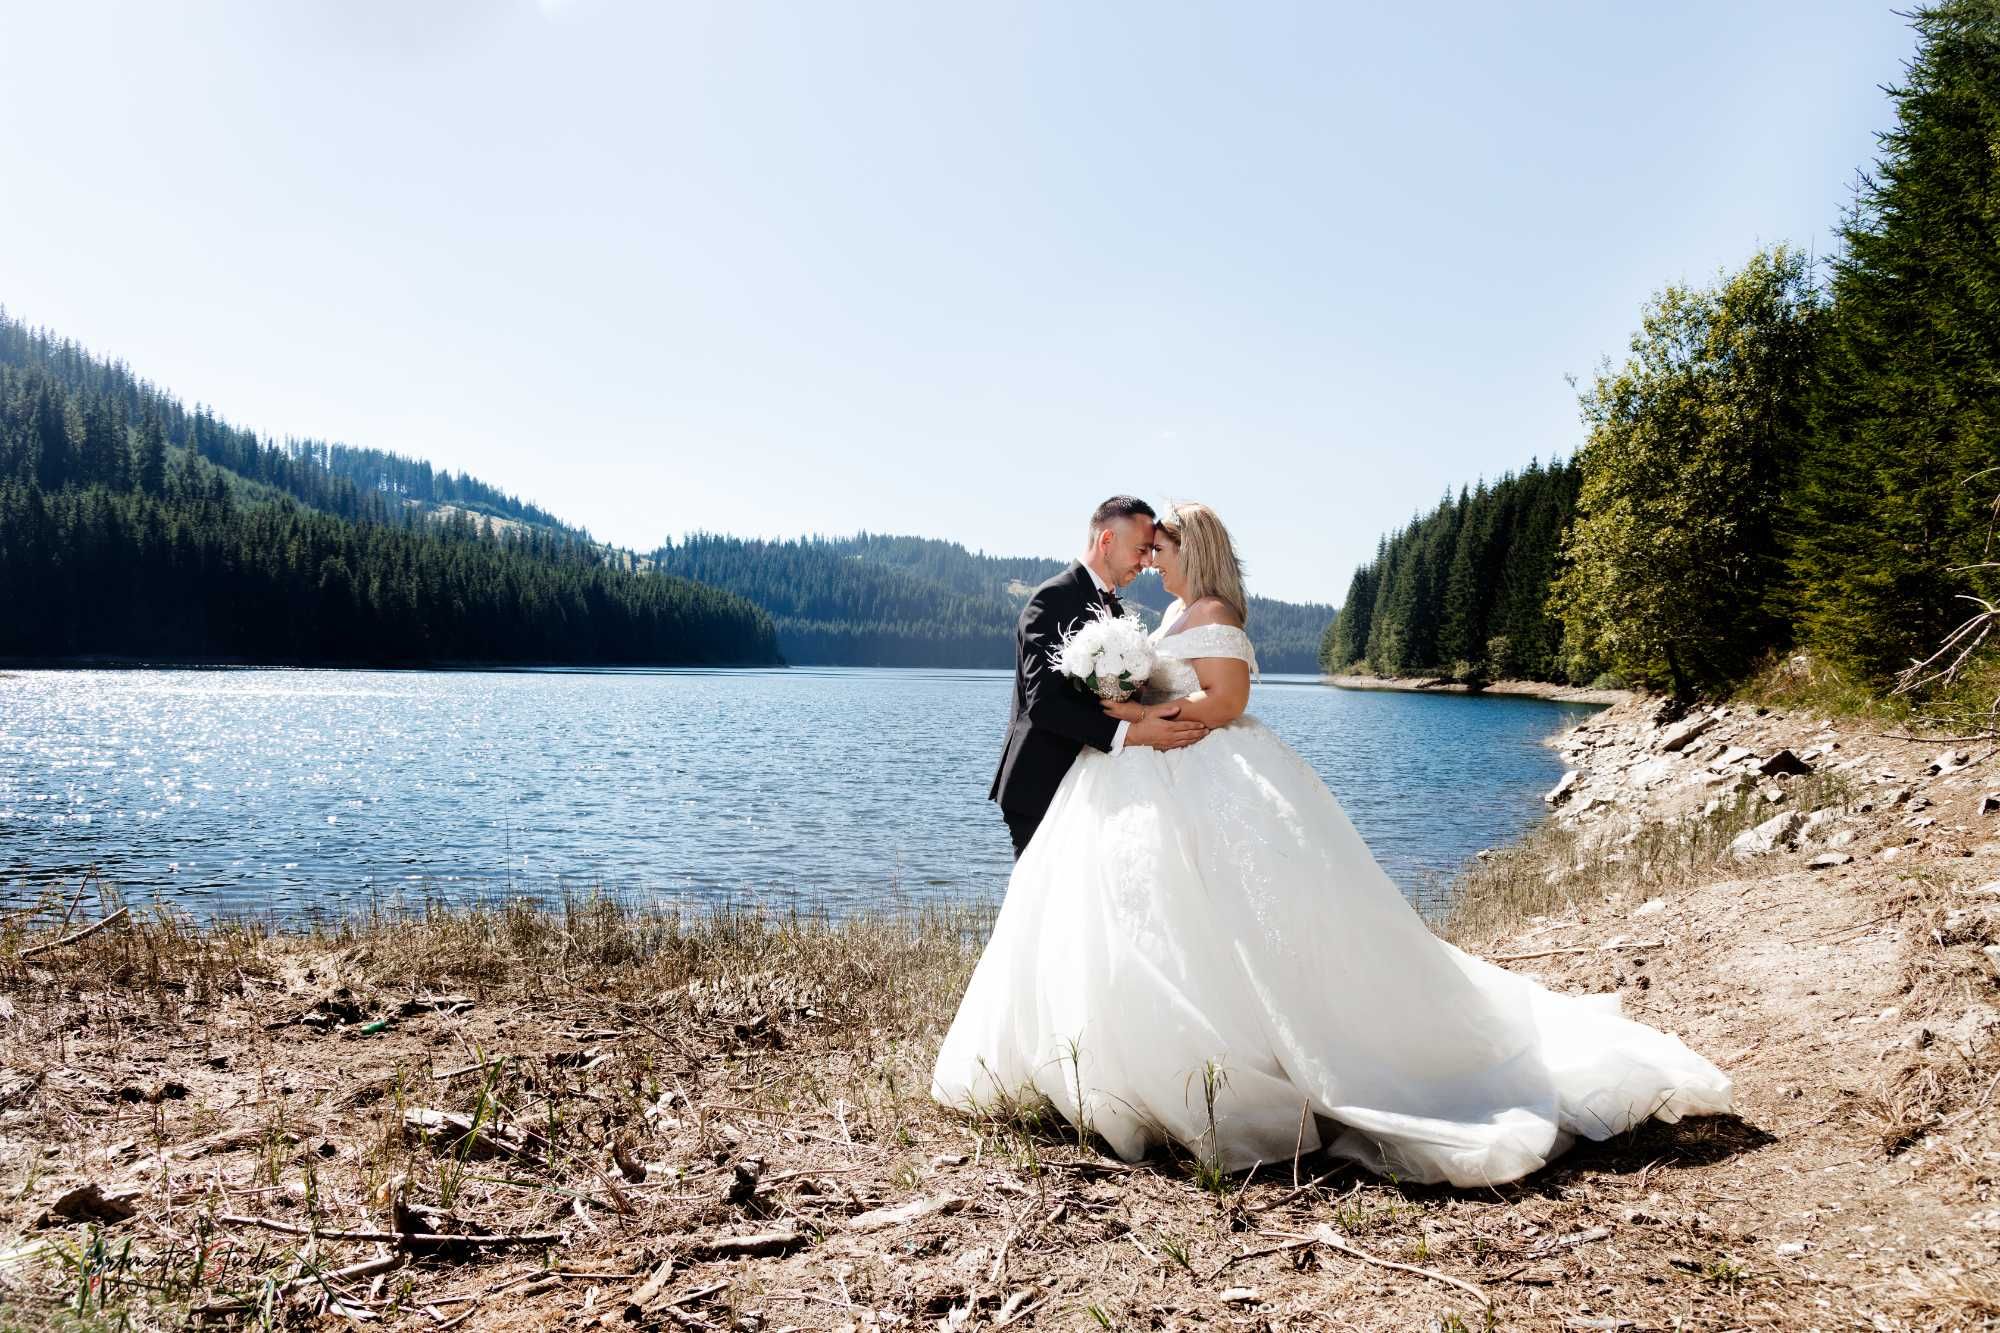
(1021, 828)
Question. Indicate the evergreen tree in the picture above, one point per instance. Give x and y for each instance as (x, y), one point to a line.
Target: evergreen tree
(149, 461)
(1908, 414)
(1461, 590)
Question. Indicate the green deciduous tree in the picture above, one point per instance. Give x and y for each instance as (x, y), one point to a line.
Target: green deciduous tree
(1673, 555)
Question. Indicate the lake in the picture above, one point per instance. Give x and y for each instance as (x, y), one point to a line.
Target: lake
(296, 794)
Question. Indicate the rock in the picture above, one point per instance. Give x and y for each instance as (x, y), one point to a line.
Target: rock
(1949, 762)
(1645, 775)
(1563, 789)
(1841, 837)
(1735, 754)
(1768, 836)
(1828, 860)
(1784, 761)
(1677, 736)
(1772, 793)
(1990, 803)
(1992, 952)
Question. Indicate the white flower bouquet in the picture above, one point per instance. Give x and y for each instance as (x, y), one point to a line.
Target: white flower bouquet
(1107, 657)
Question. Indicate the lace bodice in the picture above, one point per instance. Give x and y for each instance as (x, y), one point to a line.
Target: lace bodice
(1173, 675)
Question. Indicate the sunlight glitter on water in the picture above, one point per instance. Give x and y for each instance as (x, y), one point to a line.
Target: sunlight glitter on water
(297, 792)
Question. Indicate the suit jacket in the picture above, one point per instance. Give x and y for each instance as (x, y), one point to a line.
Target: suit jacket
(1051, 720)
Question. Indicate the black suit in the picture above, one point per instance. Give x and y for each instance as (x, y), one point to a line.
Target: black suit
(1052, 720)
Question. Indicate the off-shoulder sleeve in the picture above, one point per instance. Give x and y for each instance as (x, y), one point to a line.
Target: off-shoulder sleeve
(1216, 641)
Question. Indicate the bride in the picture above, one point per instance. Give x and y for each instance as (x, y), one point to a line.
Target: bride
(1197, 947)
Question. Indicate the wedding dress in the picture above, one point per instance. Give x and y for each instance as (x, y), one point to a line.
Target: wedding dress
(1197, 946)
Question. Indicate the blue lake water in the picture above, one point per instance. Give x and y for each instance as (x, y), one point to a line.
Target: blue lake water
(296, 793)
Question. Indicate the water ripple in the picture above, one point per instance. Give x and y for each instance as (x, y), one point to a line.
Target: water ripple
(295, 792)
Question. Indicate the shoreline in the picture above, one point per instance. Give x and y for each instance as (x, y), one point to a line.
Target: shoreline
(1527, 689)
(721, 1119)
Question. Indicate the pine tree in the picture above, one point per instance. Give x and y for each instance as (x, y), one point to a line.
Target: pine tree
(149, 460)
(1908, 414)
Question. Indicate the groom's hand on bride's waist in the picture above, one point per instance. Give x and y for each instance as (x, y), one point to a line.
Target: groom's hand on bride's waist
(1164, 729)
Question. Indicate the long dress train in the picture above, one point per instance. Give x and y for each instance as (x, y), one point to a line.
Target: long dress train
(1198, 946)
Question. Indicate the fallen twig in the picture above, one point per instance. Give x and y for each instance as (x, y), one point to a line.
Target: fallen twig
(1850, 930)
(411, 1238)
(881, 1218)
(83, 934)
(1331, 1239)
(1248, 1255)
(760, 1243)
(366, 1268)
(1295, 1192)
(1594, 948)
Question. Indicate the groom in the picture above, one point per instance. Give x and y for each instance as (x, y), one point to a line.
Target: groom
(1052, 720)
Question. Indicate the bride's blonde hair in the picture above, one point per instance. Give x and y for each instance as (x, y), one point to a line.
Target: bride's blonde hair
(1210, 566)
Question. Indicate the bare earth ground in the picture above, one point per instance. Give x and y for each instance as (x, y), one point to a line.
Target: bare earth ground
(595, 1118)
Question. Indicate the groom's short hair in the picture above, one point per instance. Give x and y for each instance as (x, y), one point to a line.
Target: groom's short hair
(1117, 507)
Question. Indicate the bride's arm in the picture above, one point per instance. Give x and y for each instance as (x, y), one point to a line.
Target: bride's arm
(1224, 692)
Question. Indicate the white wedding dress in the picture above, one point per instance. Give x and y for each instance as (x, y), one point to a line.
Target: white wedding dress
(1212, 908)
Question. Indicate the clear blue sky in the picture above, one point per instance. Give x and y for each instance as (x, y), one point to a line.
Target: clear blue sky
(956, 269)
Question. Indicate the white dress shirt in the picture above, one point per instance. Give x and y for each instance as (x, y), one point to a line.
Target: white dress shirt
(1118, 738)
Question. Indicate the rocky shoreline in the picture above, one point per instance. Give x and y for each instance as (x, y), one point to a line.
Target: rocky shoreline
(1871, 795)
(1531, 689)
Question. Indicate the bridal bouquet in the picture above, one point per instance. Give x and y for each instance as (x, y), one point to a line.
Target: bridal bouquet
(1108, 657)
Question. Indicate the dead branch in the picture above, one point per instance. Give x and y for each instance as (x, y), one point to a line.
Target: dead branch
(83, 934)
(882, 1218)
(405, 1238)
(760, 1243)
(1328, 1237)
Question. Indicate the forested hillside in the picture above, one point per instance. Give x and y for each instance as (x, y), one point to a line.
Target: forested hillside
(337, 478)
(872, 600)
(131, 527)
(1463, 591)
(1795, 471)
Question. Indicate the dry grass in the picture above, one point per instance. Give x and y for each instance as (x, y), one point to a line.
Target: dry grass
(654, 1089)
(1556, 866)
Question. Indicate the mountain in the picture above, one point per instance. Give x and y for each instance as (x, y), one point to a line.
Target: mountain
(133, 527)
(875, 600)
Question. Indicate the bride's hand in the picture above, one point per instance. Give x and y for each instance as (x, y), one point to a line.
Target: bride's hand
(1125, 712)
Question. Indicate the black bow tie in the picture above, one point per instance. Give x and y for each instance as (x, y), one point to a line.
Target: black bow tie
(1111, 600)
